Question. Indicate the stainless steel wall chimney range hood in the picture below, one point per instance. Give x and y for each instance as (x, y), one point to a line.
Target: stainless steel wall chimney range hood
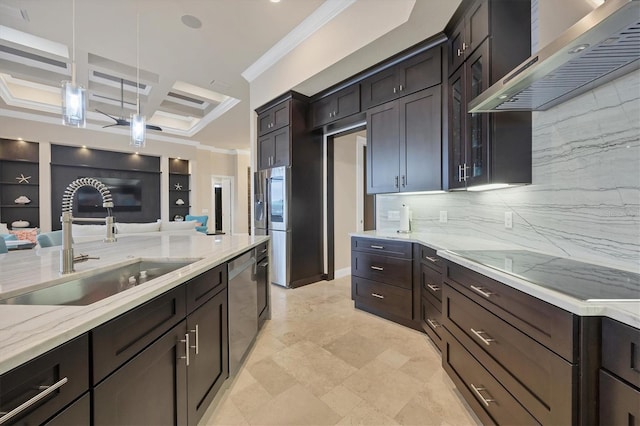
(603, 45)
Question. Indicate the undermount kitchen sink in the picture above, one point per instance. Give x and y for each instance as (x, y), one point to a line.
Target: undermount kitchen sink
(92, 288)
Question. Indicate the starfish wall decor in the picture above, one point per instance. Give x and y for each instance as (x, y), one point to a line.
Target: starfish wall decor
(23, 179)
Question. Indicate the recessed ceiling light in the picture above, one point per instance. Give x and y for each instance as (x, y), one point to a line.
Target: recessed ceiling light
(84, 146)
(191, 21)
(275, 1)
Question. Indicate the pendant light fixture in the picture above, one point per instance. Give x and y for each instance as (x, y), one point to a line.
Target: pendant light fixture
(74, 99)
(138, 125)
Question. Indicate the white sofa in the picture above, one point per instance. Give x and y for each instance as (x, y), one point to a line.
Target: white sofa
(83, 233)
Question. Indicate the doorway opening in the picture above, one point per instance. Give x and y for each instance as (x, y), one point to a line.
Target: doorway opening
(221, 218)
(347, 207)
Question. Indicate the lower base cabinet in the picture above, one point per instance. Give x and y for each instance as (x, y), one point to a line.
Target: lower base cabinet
(150, 389)
(78, 413)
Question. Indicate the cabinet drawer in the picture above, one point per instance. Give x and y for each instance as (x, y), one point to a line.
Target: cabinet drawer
(621, 350)
(619, 402)
(118, 340)
(387, 247)
(205, 286)
(555, 328)
(429, 257)
(64, 370)
(388, 270)
(480, 388)
(431, 319)
(78, 413)
(537, 377)
(431, 283)
(381, 297)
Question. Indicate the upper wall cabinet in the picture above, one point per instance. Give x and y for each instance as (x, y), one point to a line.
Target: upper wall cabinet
(273, 119)
(487, 148)
(409, 76)
(404, 144)
(468, 34)
(335, 106)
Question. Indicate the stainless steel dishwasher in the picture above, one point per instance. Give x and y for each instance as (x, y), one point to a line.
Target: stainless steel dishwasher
(243, 303)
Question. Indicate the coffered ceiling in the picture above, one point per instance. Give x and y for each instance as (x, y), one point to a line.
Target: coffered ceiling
(191, 79)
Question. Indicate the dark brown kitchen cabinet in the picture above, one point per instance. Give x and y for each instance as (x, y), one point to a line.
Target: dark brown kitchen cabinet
(149, 389)
(273, 149)
(262, 279)
(620, 374)
(526, 345)
(59, 377)
(409, 76)
(429, 274)
(487, 148)
(382, 279)
(470, 32)
(333, 107)
(273, 118)
(404, 144)
(208, 366)
(78, 413)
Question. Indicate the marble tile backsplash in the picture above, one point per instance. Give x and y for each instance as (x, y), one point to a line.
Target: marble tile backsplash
(584, 200)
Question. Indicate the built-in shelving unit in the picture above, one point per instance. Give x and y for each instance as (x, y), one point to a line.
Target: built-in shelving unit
(19, 177)
(179, 188)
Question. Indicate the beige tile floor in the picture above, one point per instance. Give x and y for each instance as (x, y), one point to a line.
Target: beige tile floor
(320, 361)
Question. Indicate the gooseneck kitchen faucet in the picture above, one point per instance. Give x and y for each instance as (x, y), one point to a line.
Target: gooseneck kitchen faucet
(67, 259)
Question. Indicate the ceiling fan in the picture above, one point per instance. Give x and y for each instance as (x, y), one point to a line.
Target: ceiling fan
(122, 121)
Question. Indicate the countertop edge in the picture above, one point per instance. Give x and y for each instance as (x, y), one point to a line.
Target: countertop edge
(77, 320)
(625, 312)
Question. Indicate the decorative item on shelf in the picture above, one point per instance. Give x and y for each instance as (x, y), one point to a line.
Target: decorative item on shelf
(178, 218)
(22, 178)
(23, 199)
(178, 186)
(179, 202)
(74, 99)
(20, 224)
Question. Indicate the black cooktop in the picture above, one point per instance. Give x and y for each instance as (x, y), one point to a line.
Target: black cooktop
(584, 281)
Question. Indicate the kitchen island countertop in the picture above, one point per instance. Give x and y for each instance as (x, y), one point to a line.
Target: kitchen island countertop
(449, 247)
(27, 331)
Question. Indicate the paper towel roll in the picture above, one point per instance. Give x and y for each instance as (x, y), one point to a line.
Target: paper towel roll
(404, 219)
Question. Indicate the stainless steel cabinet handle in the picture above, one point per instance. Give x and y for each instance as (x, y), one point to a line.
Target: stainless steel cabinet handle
(464, 46)
(186, 348)
(459, 52)
(432, 259)
(485, 401)
(46, 390)
(395, 90)
(404, 181)
(486, 340)
(264, 264)
(433, 287)
(432, 323)
(377, 247)
(480, 290)
(377, 268)
(464, 170)
(396, 181)
(379, 296)
(263, 251)
(401, 88)
(197, 345)
(459, 172)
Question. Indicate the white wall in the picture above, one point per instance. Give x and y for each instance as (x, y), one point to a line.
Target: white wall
(345, 200)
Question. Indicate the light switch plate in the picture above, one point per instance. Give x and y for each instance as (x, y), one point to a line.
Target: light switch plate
(508, 220)
(443, 216)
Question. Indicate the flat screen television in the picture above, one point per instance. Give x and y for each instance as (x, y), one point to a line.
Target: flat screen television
(126, 194)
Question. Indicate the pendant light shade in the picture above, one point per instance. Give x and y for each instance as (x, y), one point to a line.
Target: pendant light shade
(74, 104)
(138, 131)
(74, 98)
(138, 125)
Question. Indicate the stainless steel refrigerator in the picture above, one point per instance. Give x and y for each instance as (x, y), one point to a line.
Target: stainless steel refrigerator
(272, 204)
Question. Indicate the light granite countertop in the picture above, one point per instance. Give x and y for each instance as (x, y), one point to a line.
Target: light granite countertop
(28, 331)
(446, 246)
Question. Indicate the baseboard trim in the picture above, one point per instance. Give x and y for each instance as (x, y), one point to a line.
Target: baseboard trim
(340, 273)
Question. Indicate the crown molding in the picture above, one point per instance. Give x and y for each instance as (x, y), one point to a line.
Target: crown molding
(312, 23)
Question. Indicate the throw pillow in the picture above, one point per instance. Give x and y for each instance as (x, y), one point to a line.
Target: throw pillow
(178, 226)
(9, 237)
(26, 234)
